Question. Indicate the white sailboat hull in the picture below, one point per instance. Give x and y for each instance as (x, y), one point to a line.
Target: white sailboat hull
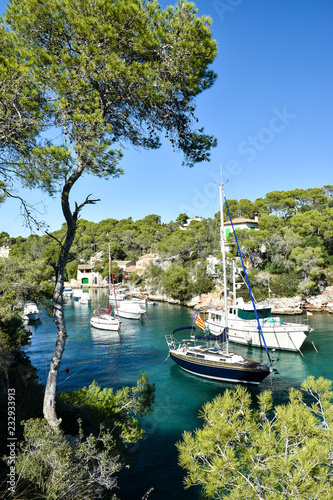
(105, 322)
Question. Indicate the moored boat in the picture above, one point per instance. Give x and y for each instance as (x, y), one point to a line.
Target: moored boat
(77, 294)
(243, 327)
(104, 320)
(68, 291)
(130, 310)
(31, 311)
(207, 358)
(85, 298)
(117, 297)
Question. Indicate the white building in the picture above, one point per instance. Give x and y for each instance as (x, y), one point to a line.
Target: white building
(241, 223)
(87, 276)
(188, 222)
(4, 252)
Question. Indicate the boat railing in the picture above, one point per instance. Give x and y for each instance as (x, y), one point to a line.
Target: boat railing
(281, 321)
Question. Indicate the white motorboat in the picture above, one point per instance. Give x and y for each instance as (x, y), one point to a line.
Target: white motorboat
(103, 320)
(82, 297)
(244, 320)
(117, 297)
(85, 298)
(243, 327)
(68, 291)
(130, 310)
(77, 294)
(31, 311)
(137, 300)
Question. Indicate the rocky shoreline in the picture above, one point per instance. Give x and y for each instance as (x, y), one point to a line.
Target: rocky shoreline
(288, 306)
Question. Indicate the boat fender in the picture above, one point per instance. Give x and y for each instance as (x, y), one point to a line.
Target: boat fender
(248, 338)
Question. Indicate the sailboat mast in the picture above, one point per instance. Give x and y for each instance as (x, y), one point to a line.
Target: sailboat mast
(109, 272)
(222, 241)
(114, 289)
(233, 283)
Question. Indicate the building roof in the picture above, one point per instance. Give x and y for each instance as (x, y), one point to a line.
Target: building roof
(125, 262)
(241, 220)
(82, 267)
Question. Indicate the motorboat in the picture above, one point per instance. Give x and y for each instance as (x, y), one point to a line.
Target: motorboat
(142, 301)
(68, 291)
(81, 296)
(243, 327)
(117, 297)
(31, 311)
(77, 294)
(85, 298)
(130, 310)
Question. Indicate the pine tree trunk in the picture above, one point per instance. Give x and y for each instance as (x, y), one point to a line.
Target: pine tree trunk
(49, 406)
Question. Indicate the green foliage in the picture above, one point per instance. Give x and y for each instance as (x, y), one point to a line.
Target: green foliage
(96, 110)
(49, 466)
(117, 410)
(269, 453)
(285, 285)
(20, 280)
(154, 271)
(267, 249)
(182, 218)
(307, 260)
(203, 282)
(176, 283)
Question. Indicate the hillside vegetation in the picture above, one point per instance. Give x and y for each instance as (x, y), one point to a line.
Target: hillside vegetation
(293, 246)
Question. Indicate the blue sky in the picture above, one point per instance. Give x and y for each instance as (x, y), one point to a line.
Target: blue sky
(271, 110)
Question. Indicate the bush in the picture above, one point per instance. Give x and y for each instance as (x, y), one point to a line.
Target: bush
(49, 466)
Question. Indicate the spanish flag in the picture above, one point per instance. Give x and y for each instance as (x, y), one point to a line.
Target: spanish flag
(199, 321)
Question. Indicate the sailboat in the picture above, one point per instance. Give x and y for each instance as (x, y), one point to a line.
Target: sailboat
(208, 355)
(103, 318)
(244, 321)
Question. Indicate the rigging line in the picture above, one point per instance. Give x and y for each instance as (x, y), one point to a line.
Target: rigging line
(299, 350)
(247, 281)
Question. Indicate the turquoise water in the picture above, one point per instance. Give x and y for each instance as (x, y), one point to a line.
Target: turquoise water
(116, 360)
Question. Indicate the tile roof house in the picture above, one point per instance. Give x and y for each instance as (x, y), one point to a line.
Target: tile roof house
(241, 223)
(87, 276)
